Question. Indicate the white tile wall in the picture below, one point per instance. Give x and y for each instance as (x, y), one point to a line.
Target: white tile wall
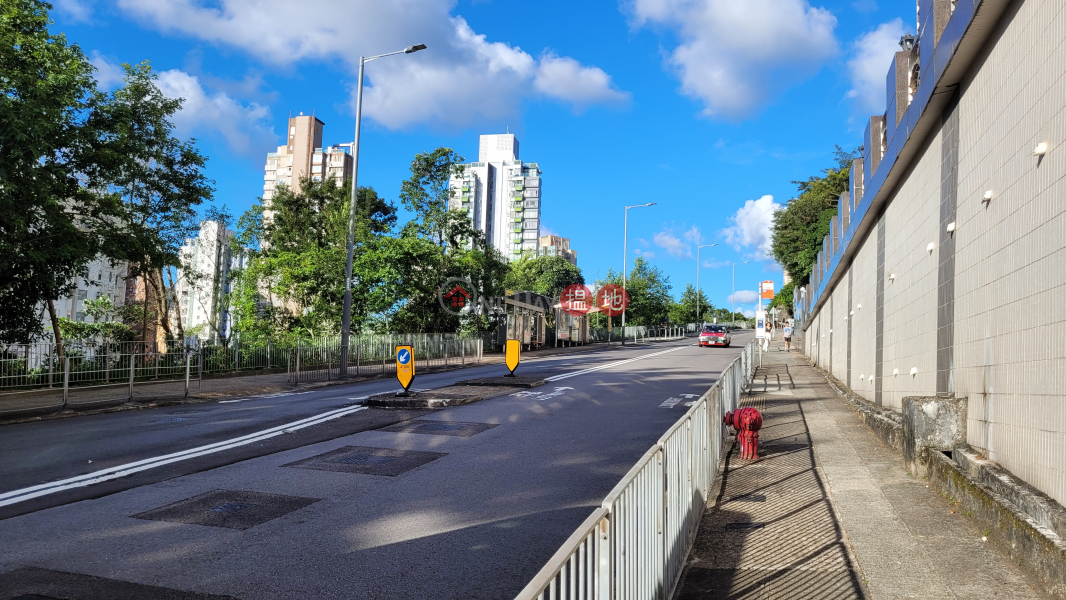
(1010, 261)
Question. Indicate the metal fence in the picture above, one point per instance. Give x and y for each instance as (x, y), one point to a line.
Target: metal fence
(95, 363)
(633, 547)
(319, 360)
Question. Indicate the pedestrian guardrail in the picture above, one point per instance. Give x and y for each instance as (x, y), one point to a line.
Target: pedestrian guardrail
(372, 356)
(633, 547)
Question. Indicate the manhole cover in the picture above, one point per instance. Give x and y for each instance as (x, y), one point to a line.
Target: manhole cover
(370, 460)
(232, 507)
(440, 427)
(171, 420)
(751, 525)
(367, 460)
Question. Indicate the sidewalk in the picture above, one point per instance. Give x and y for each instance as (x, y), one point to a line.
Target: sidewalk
(21, 405)
(829, 512)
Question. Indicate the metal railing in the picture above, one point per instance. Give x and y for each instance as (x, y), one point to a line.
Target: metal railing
(633, 547)
(319, 360)
(98, 363)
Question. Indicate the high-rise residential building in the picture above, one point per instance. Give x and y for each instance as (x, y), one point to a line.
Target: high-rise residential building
(304, 156)
(553, 245)
(502, 196)
(202, 285)
(105, 279)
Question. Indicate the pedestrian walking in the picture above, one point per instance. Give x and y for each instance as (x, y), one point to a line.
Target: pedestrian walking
(788, 337)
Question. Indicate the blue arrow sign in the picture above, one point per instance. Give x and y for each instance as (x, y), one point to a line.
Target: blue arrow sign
(403, 356)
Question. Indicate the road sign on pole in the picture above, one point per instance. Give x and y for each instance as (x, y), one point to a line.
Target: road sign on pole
(513, 355)
(405, 366)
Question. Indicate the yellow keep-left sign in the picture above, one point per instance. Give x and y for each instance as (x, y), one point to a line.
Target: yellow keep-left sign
(513, 354)
(405, 365)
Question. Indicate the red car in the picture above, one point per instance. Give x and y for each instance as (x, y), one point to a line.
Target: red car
(715, 335)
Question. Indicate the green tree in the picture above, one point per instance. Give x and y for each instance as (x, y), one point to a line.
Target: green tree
(161, 180)
(548, 275)
(804, 222)
(426, 193)
(54, 219)
(649, 293)
(685, 310)
(783, 297)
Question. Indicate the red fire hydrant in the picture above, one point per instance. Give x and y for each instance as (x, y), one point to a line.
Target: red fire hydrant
(747, 421)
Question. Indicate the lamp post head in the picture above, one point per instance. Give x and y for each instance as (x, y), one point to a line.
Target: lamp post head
(415, 48)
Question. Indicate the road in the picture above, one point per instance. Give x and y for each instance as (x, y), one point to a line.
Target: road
(468, 502)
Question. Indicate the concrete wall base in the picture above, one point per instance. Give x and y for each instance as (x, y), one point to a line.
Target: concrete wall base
(1020, 521)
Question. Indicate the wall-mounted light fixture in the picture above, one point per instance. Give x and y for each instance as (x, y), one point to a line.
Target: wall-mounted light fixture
(907, 42)
(930, 246)
(871, 377)
(851, 313)
(914, 371)
(1041, 149)
(891, 276)
(951, 226)
(987, 197)
(858, 306)
(895, 371)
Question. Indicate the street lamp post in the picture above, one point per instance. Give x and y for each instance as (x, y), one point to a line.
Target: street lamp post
(346, 318)
(733, 298)
(625, 241)
(699, 322)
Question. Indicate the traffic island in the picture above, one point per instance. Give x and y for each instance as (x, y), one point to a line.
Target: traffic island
(444, 397)
(504, 381)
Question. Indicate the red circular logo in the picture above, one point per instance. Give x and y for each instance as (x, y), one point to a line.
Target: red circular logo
(612, 300)
(576, 300)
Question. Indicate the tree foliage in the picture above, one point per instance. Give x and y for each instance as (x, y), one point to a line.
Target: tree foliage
(548, 275)
(649, 294)
(804, 222)
(685, 309)
(54, 220)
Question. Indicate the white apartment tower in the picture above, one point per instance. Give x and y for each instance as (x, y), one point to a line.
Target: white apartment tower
(201, 287)
(304, 156)
(502, 196)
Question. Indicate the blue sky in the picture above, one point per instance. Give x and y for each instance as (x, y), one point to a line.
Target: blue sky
(710, 108)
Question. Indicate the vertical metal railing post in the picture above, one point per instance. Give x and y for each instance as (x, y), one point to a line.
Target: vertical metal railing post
(66, 381)
(296, 379)
(188, 371)
(358, 351)
(51, 361)
(199, 371)
(133, 369)
(107, 363)
(384, 348)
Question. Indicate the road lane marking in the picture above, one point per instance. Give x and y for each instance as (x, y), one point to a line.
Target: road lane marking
(609, 365)
(44, 489)
(542, 395)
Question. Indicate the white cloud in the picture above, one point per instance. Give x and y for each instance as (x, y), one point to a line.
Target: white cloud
(737, 56)
(246, 128)
(871, 57)
(566, 79)
(76, 11)
(672, 244)
(693, 235)
(747, 312)
(644, 253)
(752, 227)
(461, 79)
(715, 264)
(743, 297)
(108, 74)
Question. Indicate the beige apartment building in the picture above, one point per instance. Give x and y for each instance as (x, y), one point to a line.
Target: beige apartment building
(303, 156)
(553, 245)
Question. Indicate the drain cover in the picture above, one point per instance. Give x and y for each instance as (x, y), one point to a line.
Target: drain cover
(748, 498)
(440, 427)
(231, 509)
(372, 460)
(367, 461)
(751, 525)
(450, 428)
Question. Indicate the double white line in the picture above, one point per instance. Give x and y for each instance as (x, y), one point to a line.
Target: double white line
(44, 489)
(609, 365)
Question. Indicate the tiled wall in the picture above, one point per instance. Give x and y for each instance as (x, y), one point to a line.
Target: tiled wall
(1008, 276)
(1010, 262)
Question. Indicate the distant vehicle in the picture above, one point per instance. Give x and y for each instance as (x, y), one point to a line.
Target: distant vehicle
(715, 335)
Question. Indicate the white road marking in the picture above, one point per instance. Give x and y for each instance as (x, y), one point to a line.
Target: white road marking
(16, 496)
(670, 403)
(277, 395)
(609, 365)
(542, 395)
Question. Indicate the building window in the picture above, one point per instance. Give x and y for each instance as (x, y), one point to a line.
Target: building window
(914, 80)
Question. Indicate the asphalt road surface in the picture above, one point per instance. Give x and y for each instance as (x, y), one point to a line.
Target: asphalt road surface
(310, 495)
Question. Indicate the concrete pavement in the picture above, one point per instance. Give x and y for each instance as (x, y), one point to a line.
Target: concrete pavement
(830, 513)
(466, 502)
